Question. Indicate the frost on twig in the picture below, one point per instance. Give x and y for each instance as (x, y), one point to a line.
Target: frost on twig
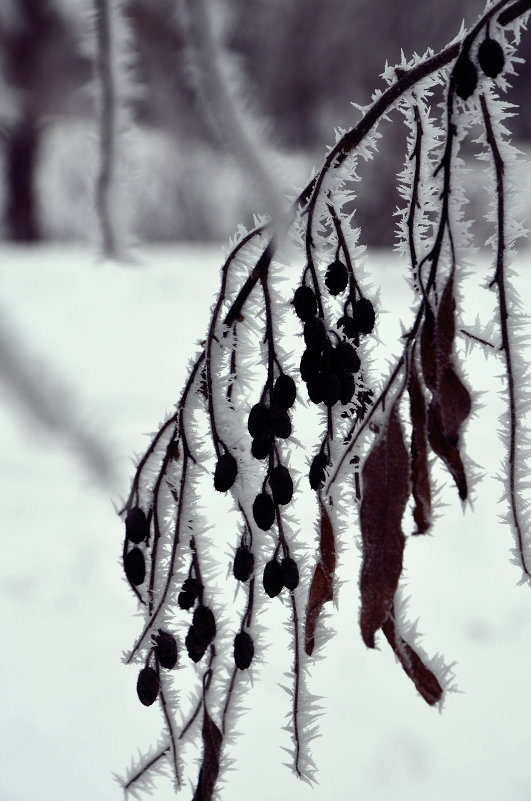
(373, 441)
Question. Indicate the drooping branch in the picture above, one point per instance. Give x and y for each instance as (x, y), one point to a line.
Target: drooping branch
(239, 413)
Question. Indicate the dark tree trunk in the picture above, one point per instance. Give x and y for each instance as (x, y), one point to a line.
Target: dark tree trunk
(21, 162)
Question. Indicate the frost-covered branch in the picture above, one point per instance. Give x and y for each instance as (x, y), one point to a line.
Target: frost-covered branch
(239, 418)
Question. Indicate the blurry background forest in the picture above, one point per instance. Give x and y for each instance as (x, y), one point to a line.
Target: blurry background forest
(296, 65)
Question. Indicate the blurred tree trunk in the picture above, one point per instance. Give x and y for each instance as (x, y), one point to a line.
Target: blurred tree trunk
(22, 152)
(42, 66)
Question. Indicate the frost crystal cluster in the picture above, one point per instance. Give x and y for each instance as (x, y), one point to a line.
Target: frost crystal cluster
(292, 331)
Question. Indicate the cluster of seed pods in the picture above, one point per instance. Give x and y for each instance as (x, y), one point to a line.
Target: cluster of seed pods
(330, 360)
(163, 654)
(491, 60)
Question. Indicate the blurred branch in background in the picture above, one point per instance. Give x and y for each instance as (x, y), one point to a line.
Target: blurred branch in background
(220, 95)
(49, 402)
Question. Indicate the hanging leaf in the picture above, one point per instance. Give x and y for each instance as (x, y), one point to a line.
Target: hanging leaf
(212, 740)
(385, 492)
(451, 403)
(420, 477)
(446, 415)
(322, 586)
(422, 677)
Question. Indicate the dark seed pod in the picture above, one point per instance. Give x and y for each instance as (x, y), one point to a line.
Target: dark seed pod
(284, 391)
(243, 650)
(204, 624)
(185, 600)
(260, 448)
(136, 525)
(364, 317)
(273, 578)
(281, 484)
(259, 421)
(264, 511)
(315, 334)
(336, 278)
(330, 389)
(465, 77)
(310, 364)
(243, 564)
(135, 566)
(147, 686)
(166, 649)
(317, 470)
(290, 572)
(191, 585)
(195, 644)
(305, 303)
(348, 358)
(491, 57)
(315, 388)
(349, 326)
(225, 473)
(280, 422)
(347, 387)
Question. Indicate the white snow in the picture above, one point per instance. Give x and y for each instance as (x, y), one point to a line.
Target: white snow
(113, 342)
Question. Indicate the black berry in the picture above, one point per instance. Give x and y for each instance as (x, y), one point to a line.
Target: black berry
(273, 578)
(491, 57)
(336, 278)
(204, 624)
(465, 77)
(290, 572)
(136, 525)
(315, 334)
(264, 511)
(330, 389)
(347, 356)
(243, 564)
(317, 470)
(259, 421)
(243, 650)
(281, 484)
(310, 364)
(260, 448)
(166, 649)
(195, 644)
(135, 566)
(280, 422)
(364, 317)
(284, 391)
(147, 686)
(305, 303)
(225, 473)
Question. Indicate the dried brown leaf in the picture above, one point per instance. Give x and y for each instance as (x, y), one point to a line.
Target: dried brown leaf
(422, 677)
(446, 414)
(451, 403)
(427, 349)
(420, 477)
(322, 586)
(386, 488)
(208, 774)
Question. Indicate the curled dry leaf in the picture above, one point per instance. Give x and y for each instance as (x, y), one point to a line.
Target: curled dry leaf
(385, 492)
(451, 403)
(422, 677)
(420, 477)
(212, 740)
(322, 586)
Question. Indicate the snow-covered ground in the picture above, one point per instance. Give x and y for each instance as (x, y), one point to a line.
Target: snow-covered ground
(110, 344)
